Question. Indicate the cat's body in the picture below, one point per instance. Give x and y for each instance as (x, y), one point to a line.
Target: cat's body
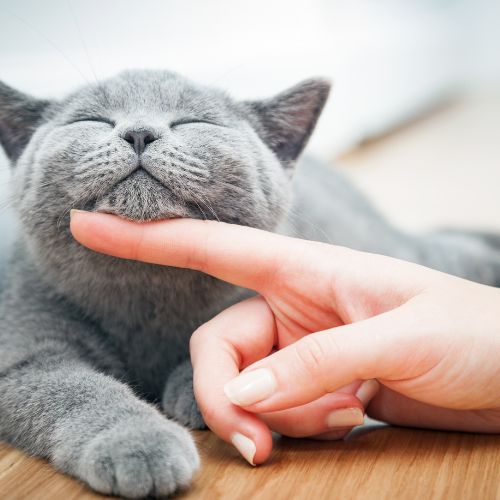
(88, 339)
(330, 209)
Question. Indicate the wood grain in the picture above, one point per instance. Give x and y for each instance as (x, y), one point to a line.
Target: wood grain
(376, 462)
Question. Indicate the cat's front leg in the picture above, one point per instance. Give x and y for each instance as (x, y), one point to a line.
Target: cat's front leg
(178, 399)
(55, 405)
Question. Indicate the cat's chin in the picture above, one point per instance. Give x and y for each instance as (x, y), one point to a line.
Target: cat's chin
(142, 198)
(147, 215)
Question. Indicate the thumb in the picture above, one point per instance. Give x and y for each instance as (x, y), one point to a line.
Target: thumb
(323, 362)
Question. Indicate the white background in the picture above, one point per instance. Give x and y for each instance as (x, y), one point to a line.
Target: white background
(388, 59)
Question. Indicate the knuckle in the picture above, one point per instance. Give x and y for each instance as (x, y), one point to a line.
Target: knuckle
(311, 354)
(197, 338)
(317, 354)
(193, 341)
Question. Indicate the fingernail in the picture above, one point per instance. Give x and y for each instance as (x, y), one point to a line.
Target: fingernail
(252, 387)
(74, 211)
(345, 417)
(245, 446)
(367, 391)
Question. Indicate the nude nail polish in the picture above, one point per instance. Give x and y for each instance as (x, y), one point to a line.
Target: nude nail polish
(367, 391)
(250, 388)
(245, 446)
(345, 417)
(74, 211)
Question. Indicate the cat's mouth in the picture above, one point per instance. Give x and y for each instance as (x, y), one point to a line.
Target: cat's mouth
(142, 198)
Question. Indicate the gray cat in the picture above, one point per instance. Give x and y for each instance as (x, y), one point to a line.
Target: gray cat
(95, 349)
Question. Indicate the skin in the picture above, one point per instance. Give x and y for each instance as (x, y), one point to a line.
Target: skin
(325, 319)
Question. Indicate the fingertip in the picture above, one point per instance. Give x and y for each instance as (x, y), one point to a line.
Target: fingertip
(74, 212)
(83, 225)
(263, 441)
(75, 217)
(245, 431)
(367, 391)
(105, 233)
(245, 446)
(252, 438)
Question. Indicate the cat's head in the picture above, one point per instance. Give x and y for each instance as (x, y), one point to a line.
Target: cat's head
(149, 145)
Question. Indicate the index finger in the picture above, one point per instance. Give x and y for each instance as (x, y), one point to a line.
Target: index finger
(243, 256)
(235, 338)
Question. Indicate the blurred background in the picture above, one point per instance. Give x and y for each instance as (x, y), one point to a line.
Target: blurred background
(414, 117)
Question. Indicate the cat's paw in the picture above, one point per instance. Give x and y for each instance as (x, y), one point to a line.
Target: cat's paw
(140, 457)
(178, 399)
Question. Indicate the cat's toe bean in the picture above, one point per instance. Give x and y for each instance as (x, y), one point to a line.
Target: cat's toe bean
(140, 457)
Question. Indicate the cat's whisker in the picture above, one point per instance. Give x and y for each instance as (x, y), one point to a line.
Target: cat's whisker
(197, 173)
(82, 41)
(66, 212)
(200, 209)
(190, 176)
(193, 198)
(79, 200)
(210, 207)
(194, 160)
(61, 217)
(49, 41)
(10, 197)
(300, 217)
(233, 187)
(6, 205)
(292, 224)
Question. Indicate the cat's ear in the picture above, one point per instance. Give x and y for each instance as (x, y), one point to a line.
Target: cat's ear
(20, 115)
(286, 121)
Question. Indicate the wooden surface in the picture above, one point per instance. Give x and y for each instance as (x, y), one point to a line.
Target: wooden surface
(374, 462)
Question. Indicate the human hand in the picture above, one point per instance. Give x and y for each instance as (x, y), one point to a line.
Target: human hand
(336, 316)
(331, 417)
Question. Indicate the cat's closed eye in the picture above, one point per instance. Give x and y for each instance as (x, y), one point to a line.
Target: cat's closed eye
(96, 119)
(193, 121)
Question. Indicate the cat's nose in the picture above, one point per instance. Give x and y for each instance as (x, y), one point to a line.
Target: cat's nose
(139, 139)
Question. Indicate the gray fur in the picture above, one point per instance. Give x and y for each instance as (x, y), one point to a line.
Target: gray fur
(89, 341)
(95, 349)
(19, 117)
